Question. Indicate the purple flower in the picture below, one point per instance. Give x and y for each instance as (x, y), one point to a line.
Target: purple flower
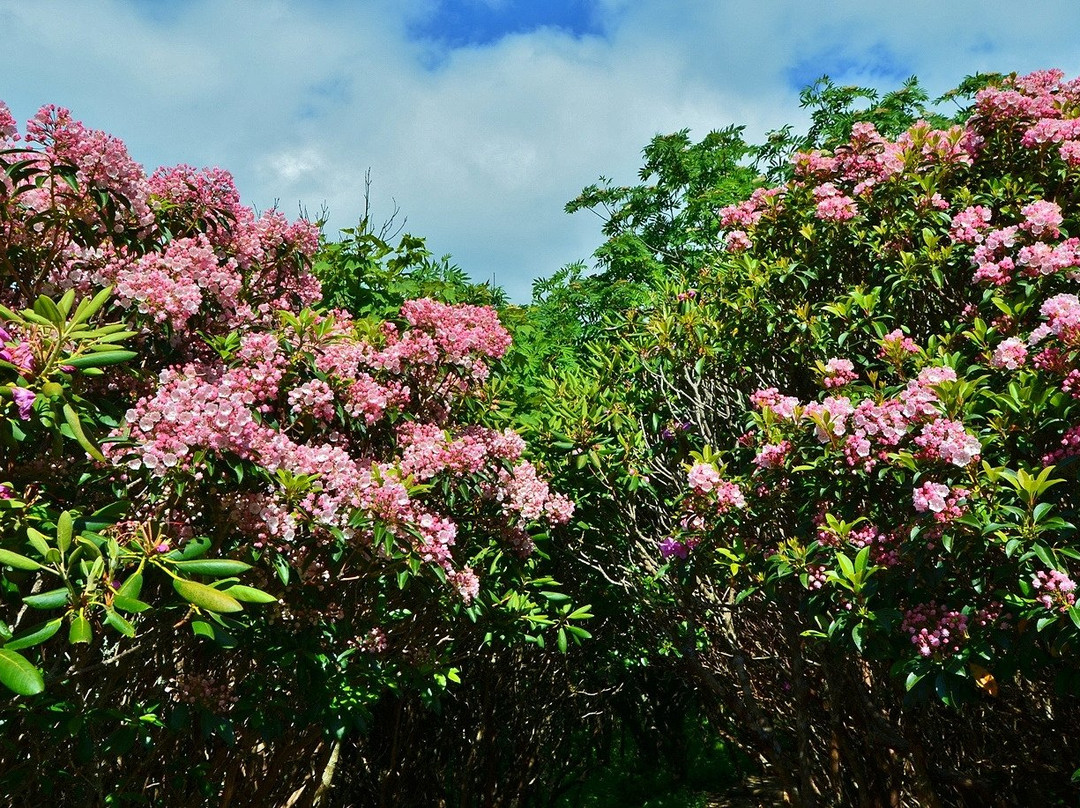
(24, 400)
(670, 547)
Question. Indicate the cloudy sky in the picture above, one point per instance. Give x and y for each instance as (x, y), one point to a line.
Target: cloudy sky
(479, 118)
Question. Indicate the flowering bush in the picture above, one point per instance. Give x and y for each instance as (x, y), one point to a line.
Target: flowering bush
(917, 516)
(203, 473)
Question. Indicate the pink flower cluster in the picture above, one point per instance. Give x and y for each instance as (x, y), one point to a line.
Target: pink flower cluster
(173, 286)
(934, 630)
(773, 455)
(1042, 218)
(1043, 105)
(523, 492)
(746, 214)
(884, 424)
(1041, 258)
(991, 260)
(1010, 354)
(705, 481)
(782, 406)
(9, 129)
(838, 372)
(313, 398)
(895, 347)
(834, 206)
(829, 417)
(969, 225)
(1056, 590)
(703, 478)
(101, 161)
(737, 241)
(1062, 313)
(868, 159)
(946, 504)
(948, 441)
(429, 450)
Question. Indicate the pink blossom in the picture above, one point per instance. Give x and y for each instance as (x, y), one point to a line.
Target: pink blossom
(935, 631)
(772, 455)
(1056, 590)
(1042, 218)
(737, 241)
(8, 128)
(1070, 153)
(728, 496)
(895, 346)
(969, 224)
(466, 583)
(782, 406)
(835, 207)
(703, 478)
(1009, 354)
(1043, 259)
(1062, 313)
(838, 372)
(671, 547)
(930, 496)
(24, 400)
(829, 417)
(949, 442)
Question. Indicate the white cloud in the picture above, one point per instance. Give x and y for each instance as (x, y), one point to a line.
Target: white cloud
(482, 146)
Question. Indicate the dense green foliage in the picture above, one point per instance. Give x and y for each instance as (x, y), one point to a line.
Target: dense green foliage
(815, 408)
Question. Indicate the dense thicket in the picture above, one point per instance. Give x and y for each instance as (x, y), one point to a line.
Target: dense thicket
(826, 458)
(270, 535)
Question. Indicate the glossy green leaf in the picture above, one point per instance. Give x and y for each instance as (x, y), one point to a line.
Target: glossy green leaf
(80, 631)
(249, 594)
(206, 597)
(52, 599)
(18, 675)
(35, 636)
(212, 566)
(19, 562)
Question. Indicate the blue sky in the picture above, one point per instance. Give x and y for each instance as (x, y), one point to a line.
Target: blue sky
(464, 23)
(478, 118)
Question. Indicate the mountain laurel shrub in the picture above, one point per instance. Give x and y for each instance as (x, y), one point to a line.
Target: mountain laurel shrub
(900, 495)
(227, 511)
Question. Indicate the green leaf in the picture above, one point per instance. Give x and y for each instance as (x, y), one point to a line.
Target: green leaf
(72, 419)
(108, 515)
(562, 640)
(212, 566)
(249, 594)
(35, 636)
(846, 566)
(206, 597)
(119, 623)
(86, 310)
(38, 540)
(97, 360)
(129, 604)
(64, 529)
(132, 587)
(47, 309)
(80, 631)
(19, 675)
(19, 562)
(53, 599)
(1046, 555)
